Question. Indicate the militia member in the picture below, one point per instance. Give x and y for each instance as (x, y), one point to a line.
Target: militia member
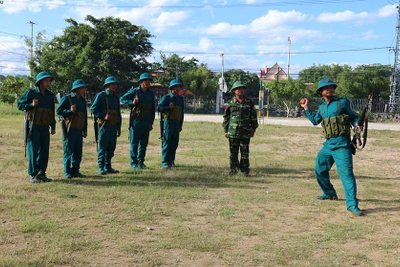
(171, 107)
(240, 124)
(336, 117)
(39, 106)
(141, 102)
(106, 109)
(72, 109)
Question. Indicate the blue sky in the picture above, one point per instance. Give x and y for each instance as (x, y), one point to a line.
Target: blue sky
(252, 34)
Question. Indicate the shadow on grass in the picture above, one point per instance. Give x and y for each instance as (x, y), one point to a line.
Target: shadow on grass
(188, 176)
(361, 177)
(378, 210)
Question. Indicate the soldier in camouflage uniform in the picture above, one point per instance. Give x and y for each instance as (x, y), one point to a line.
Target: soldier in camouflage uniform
(143, 108)
(39, 105)
(240, 124)
(336, 117)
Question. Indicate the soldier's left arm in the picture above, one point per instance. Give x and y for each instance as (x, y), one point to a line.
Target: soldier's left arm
(53, 108)
(119, 114)
(253, 117)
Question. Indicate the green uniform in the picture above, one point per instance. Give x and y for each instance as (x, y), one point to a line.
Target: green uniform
(173, 121)
(240, 122)
(141, 123)
(337, 118)
(40, 118)
(76, 126)
(105, 102)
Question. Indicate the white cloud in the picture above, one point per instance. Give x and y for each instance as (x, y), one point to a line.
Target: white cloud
(275, 17)
(387, 11)
(14, 56)
(225, 29)
(261, 26)
(368, 35)
(253, 1)
(169, 19)
(14, 7)
(54, 4)
(342, 16)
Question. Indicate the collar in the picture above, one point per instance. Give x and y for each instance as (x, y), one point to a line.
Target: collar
(73, 94)
(37, 89)
(333, 99)
(235, 100)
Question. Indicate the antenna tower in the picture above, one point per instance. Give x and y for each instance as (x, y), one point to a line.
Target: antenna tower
(395, 78)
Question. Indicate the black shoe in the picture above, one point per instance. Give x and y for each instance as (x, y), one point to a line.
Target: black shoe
(42, 177)
(142, 166)
(78, 174)
(327, 197)
(246, 174)
(111, 170)
(233, 172)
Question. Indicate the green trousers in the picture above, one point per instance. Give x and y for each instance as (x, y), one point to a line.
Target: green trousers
(344, 164)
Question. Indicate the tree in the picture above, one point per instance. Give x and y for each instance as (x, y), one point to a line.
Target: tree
(288, 92)
(93, 51)
(173, 66)
(201, 82)
(11, 88)
(250, 79)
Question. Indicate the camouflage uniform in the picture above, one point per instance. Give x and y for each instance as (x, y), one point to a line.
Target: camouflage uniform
(240, 122)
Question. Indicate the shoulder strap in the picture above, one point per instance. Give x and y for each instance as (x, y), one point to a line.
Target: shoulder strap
(105, 99)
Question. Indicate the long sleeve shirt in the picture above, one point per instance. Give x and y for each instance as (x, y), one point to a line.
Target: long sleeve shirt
(327, 110)
(46, 101)
(146, 108)
(64, 107)
(163, 106)
(105, 102)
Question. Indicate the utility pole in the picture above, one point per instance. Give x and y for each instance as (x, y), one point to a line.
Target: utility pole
(395, 78)
(32, 23)
(222, 88)
(288, 65)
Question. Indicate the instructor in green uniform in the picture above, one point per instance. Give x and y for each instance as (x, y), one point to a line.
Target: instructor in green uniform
(106, 108)
(336, 118)
(39, 105)
(240, 124)
(73, 111)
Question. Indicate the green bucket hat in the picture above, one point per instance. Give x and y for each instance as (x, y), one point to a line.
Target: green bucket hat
(236, 85)
(174, 82)
(325, 82)
(145, 76)
(43, 75)
(110, 80)
(78, 84)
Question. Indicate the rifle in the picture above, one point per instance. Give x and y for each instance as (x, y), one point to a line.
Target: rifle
(132, 115)
(96, 130)
(64, 127)
(160, 114)
(26, 131)
(360, 136)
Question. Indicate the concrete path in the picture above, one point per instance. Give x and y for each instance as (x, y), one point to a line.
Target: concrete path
(282, 121)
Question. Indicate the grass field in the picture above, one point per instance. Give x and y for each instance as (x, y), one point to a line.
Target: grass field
(196, 214)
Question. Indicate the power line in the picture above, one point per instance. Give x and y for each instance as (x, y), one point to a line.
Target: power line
(188, 6)
(11, 52)
(281, 53)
